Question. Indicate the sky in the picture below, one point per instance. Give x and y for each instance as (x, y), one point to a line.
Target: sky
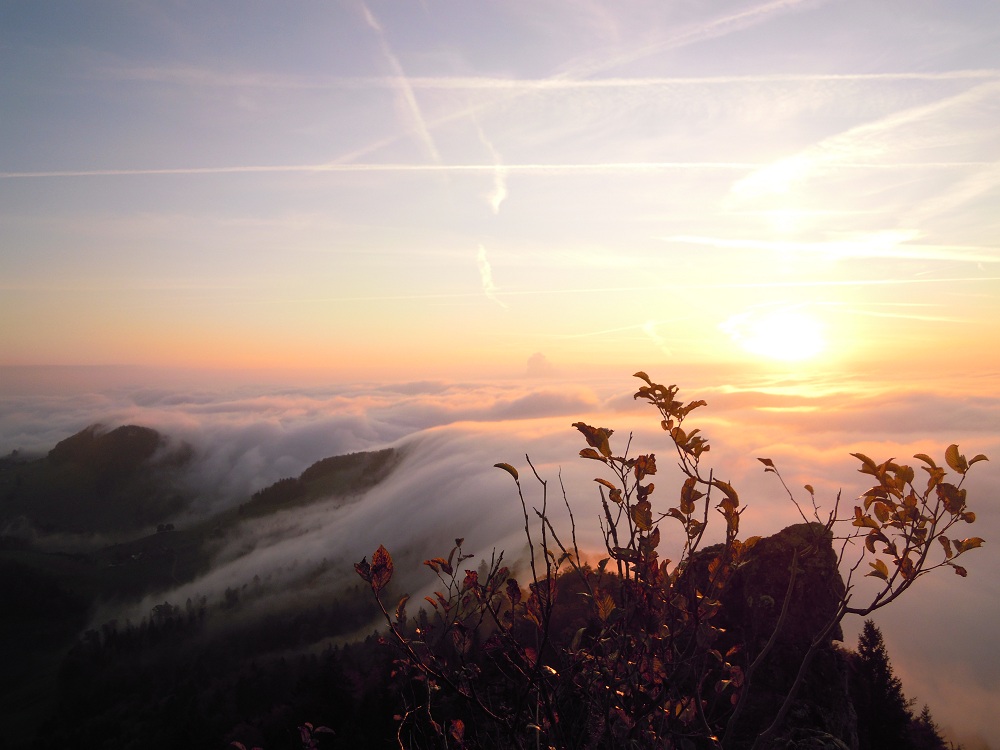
(288, 230)
(444, 188)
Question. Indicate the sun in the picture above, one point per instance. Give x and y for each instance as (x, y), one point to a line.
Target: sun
(788, 334)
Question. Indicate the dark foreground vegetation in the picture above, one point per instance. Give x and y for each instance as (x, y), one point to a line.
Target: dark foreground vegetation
(726, 645)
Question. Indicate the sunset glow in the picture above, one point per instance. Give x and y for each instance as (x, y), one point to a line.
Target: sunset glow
(346, 225)
(787, 335)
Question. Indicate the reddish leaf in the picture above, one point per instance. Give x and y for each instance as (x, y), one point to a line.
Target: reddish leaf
(513, 592)
(381, 568)
(471, 580)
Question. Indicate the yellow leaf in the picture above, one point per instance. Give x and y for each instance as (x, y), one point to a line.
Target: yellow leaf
(926, 459)
(508, 468)
(867, 465)
(866, 522)
(956, 460)
(967, 544)
(605, 606)
(642, 515)
(879, 570)
(728, 489)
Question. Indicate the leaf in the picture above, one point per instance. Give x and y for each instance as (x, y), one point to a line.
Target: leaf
(728, 489)
(363, 569)
(645, 465)
(947, 546)
(768, 465)
(508, 468)
(642, 515)
(513, 592)
(967, 544)
(952, 497)
(401, 607)
(605, 606)
(597, 437)
(867, 465)
(956, 460)
(862, 521)
(592, 454)
(959, 570)
(809, 489)
(879, 570)
(381, 568)
(979, 457)
(926, 459)
(605, 483)
(471, 580)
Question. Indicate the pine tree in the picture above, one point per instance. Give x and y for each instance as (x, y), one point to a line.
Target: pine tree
(883, 711)
(924, 734)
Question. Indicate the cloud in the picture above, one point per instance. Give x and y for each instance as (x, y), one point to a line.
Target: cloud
(486, 276)
(539, 366)
(499, 173)
(887, 141)
(451, 435)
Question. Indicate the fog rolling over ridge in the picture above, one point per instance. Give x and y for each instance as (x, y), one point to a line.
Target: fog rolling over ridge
(449, 436)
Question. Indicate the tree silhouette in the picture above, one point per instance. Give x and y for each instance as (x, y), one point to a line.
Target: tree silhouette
(883, 711)
(924, 734)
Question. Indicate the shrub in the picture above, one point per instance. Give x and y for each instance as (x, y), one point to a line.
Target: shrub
(630, 653)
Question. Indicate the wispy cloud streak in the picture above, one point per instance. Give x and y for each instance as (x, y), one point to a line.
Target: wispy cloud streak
(403, 86)
(869, 142)
(486, 276)
(870, 245)
(190, 76)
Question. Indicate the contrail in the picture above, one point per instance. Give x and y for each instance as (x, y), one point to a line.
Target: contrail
(591, 168)
(656, 288)
(210, 78)
(403, 85)
(867, 141)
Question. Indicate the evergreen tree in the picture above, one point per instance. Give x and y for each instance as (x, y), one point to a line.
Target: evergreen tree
(924, 734)
(883, 711)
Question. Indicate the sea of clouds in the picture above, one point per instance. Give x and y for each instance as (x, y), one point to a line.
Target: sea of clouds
(247, 435)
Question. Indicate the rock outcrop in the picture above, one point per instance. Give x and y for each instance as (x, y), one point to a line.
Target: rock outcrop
(821, 715)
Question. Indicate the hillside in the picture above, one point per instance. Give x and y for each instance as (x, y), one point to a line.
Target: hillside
(98, 481)
(126, 483)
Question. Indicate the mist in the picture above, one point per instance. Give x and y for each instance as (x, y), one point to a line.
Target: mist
(450, 435)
